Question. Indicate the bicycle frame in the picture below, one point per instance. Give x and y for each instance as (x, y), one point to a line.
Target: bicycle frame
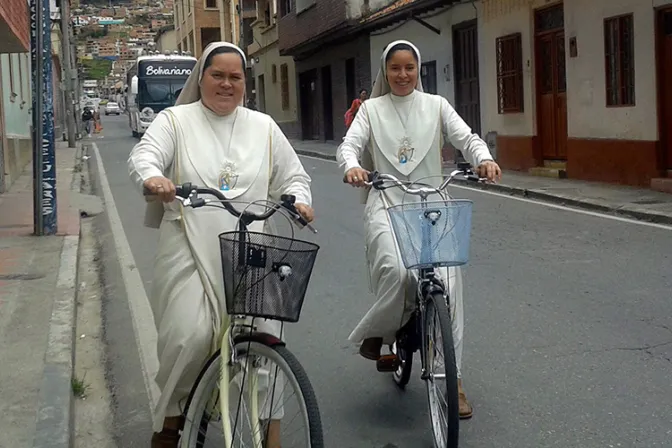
(228, 358)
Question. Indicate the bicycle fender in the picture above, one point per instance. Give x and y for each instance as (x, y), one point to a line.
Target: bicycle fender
(261, 338)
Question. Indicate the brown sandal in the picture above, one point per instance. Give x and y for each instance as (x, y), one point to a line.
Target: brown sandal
(370, 349)
(168, 438)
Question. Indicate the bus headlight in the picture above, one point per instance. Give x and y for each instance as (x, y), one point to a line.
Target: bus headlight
(147, 114)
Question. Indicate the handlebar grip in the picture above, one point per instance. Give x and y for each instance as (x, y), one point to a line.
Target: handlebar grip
(288, 199)
(147, 192)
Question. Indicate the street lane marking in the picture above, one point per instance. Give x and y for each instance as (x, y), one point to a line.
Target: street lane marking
(545, 204)
(141, 311)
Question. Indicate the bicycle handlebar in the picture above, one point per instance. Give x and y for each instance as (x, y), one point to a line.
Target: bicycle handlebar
(188, 195)
(377, 180)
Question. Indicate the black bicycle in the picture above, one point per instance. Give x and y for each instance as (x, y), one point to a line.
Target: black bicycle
(430, 235)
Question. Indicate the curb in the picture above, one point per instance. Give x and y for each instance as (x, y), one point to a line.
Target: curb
(583, 204)
(539, 196)
(55, 408)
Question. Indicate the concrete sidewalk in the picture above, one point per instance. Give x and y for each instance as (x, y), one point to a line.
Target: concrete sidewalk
(637, 203)
(38, 287)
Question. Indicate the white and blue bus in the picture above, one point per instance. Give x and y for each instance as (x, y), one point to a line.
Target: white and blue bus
(154, 83)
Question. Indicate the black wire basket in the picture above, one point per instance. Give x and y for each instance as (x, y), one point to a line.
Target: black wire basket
(266, 275)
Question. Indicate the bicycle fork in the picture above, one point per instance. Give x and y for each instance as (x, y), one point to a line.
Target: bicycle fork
(427, 286)
(249, 380)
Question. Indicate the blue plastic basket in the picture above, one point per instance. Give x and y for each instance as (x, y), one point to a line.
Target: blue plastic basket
(432, 234)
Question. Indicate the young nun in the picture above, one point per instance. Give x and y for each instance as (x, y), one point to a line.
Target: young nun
(208, 138)
(400, 130)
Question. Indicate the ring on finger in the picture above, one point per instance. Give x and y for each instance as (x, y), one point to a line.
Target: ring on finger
(355, 178)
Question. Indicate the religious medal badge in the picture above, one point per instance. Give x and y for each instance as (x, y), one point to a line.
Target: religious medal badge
(229, 177)
(405, 153)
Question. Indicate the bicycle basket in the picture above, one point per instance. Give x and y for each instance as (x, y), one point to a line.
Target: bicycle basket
(266, 275)
(432, 234)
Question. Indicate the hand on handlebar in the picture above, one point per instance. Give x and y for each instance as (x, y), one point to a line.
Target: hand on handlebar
(357, 177)
(489, 170)
(305, 211)
(161, 187)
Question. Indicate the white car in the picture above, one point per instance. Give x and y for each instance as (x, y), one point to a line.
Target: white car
(112, 108)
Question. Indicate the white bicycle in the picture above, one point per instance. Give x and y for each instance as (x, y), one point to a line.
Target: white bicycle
(265, 277)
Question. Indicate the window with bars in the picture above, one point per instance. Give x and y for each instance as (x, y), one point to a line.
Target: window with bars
(284, 86)
(510, 74)
(619, 53)
(428, 76)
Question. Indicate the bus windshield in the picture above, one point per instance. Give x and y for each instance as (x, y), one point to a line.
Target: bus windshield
(162, 92)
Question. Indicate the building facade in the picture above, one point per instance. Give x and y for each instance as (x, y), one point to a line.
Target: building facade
(15, 96)
(566, 89)
(330, 43)
(200, 22)
(580, 87)
(274, 75)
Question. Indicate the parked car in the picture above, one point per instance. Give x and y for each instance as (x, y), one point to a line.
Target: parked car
(112, 108)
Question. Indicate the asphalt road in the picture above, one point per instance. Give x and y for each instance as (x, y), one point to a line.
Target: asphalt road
(568, 339)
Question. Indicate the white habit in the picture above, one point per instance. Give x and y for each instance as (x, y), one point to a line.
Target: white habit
(380, 128)
(246, 155)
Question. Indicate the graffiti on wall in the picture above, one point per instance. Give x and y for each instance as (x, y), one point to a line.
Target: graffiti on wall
(45, 132)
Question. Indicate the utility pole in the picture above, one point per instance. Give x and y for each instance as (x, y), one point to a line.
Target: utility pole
(44, 157)
(67, 60)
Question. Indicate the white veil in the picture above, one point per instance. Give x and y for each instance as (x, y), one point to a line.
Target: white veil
(381, 87)
(191, 92)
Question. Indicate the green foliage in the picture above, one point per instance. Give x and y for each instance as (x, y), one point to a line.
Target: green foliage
(96, 68)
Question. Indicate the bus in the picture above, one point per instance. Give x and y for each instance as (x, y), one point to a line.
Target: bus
(154, 83)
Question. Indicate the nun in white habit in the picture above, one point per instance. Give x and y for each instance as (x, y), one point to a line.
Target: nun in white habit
(209, 139)
(400, 130)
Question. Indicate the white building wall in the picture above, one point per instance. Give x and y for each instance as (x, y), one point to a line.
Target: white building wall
(510, 17)
(432, 46)
(588, 116)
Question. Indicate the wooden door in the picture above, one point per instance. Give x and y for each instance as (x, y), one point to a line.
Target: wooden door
(465, 60)
(261, 94)
(551, 82)
(327, 103)
(664, 76)
(308, 95)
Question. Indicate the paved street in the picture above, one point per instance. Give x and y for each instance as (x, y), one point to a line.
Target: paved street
(568, 324)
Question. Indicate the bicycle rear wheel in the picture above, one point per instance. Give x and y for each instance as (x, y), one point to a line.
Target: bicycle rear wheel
(203, 427)
(442, 391)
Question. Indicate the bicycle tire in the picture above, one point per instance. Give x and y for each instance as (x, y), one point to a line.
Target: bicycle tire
(282, 357)
(437, 302)
(402, 375)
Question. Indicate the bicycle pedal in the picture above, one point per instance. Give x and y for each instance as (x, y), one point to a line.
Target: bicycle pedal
(388, 363)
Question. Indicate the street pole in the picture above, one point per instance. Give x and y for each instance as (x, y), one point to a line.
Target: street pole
(44, 158)
(67, 63)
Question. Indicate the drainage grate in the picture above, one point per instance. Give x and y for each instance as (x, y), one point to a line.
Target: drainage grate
(21, 276)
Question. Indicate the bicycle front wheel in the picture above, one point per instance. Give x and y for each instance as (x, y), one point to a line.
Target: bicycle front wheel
(442, 391)
(287, 413)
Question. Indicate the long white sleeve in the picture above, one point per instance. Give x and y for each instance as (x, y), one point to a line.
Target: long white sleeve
(459, 134)
(350, 151)
(287, 175)
(154, 152)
